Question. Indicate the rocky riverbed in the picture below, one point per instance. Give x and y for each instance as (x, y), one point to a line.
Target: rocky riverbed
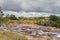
(34, 33)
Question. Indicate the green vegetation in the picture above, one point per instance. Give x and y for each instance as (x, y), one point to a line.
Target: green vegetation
(52, 20)
(1, 16)
(48, 39)
(11, 36)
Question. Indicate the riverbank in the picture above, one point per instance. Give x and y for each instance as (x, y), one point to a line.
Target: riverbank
(47, 28)
(34, 31)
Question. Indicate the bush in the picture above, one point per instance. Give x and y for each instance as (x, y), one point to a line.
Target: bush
(48, 39)
(54, 24)
(53, 18)
(58, 25)
(54, 21)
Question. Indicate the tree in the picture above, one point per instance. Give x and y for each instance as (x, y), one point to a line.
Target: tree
(1, 13)
(1, 16)
(6, 19)
(12, 17)
(53, 18)
(54, 21)
(20, 17)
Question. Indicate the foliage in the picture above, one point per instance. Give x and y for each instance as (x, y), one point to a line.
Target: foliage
(54, 21)
(20, 17)
(48, 39)
(53, 18)
(1, 12)
(12, 17)
(54, 24)
(1, 16)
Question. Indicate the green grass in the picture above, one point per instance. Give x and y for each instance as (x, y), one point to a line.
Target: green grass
(11, 36)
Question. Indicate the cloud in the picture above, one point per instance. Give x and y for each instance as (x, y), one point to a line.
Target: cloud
(30, 5)
(46, 6)
(27, 14)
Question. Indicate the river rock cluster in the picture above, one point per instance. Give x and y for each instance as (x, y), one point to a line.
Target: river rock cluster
(37, 33)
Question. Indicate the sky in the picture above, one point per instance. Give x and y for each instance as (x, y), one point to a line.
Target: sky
(30, 8)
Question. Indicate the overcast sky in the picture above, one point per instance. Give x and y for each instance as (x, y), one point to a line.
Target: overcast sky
(30, 7)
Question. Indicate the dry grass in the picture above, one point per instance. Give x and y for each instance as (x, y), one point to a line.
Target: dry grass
(11, 36)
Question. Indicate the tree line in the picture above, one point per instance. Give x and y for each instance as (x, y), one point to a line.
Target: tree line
(52, 20)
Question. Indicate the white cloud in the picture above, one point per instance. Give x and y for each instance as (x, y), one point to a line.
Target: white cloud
(27, 14)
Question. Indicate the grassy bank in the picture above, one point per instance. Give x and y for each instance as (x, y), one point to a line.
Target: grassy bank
(10, 36)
